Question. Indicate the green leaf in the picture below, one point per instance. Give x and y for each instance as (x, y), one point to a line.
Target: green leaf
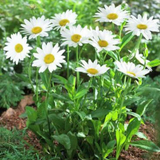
(80, 93)
(61, 79)
(99, 113)
(114, 115)
(132, 128)
(64, 140)
(126, 39)
(154, 63)
(109, 148)
(134, 114)
(142, 107)
(57, 121)
(141, 135)
(81, 114)
(113, 55)
(62, 97)
(73, 142)
(44, 78)
(31, 114)
(146, 145)
(120, 140)
(81, 134)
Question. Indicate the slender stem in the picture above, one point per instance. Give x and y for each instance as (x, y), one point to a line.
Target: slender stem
(30, 73)
(127, 84)
(113, 28)
(46, 102)
(37, 80)
(120, 29)
(82, 51)
(77, 59)
(137, 44)
(95, 55)
(89, 85)
(37, 85)
(67, 61)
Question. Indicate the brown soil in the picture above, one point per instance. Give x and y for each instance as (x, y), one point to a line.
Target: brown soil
(133, 153)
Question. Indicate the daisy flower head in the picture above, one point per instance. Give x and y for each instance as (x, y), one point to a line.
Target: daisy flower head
(48, 57)
(142, 25)
(103, 40)
(142, 60)
(60, 21)
(36, 27)
(112, 14)
(17, 47)
(131, 69)
(92, 68)
(74, 36)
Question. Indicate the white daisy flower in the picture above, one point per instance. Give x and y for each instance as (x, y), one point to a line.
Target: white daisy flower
(75, 36)
(142, 60)
(17, 47)
(48, 57)
(142, 25)
(36, 27)
(131, 69)
(112, 14)
(103, 40)
(92, 68)
(60, 21)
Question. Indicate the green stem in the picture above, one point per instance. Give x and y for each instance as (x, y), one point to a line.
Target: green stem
(37, 81)
(67, 61)
(89, 85)
(82, 51)
(46, 102)
(137, 44)
(113, 28)
(30, 73)
(127, 84)
(120, 29)
(77, 59)
(38, 41)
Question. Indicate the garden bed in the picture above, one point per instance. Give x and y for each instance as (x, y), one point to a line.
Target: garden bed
(14, 121)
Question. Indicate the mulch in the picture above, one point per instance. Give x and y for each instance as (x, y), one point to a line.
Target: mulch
(132, 153)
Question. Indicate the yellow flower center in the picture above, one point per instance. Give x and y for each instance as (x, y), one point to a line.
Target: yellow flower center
(36, 30)
(76, 38)
(103, 43)
(112, 16)
(18, 48)
(92, 71)
(131, 73)
(63, 22)
(49, 58)
(142, 26)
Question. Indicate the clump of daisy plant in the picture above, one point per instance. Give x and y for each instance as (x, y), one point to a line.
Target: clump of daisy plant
(83, 116)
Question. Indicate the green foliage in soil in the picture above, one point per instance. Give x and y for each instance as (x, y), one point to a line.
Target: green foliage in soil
(13, 146)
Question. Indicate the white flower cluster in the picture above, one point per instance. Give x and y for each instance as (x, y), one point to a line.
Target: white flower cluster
(49, 56)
